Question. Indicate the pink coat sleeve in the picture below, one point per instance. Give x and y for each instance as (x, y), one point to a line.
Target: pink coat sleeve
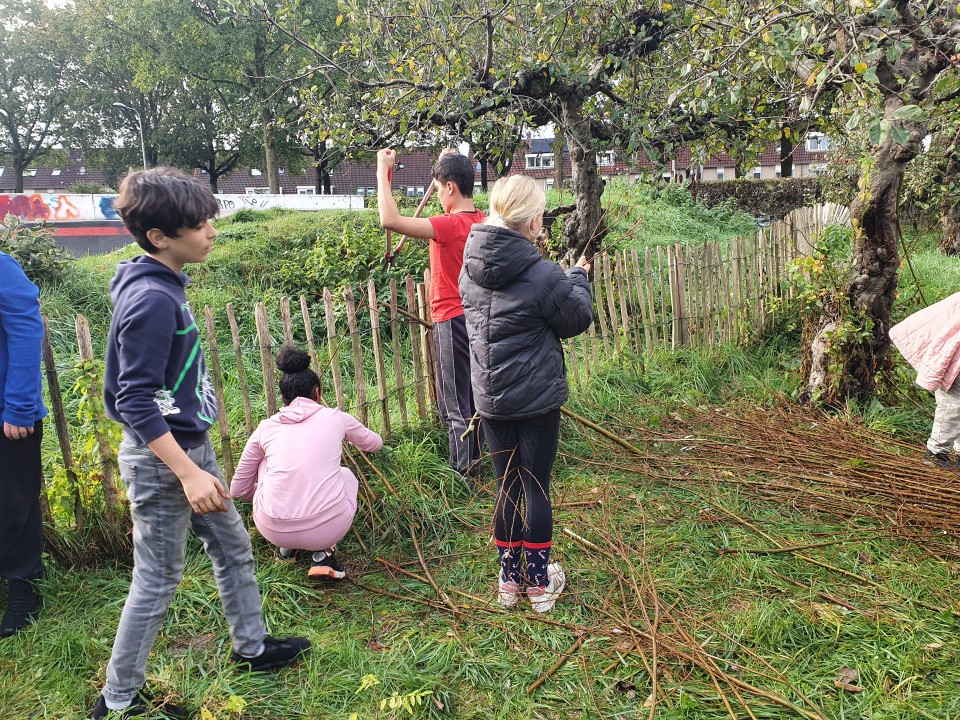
(359, 434)
(245, 478)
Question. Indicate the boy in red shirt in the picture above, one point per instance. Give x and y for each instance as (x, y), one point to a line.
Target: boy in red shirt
(453, 176)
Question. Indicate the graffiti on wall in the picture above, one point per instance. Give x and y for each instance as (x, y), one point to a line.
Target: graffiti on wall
(37, 207)
(57, 208)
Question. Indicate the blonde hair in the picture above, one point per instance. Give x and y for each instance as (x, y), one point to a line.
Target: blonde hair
(514, 201)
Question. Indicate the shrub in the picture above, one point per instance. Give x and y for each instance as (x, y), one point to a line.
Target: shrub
(34, 248)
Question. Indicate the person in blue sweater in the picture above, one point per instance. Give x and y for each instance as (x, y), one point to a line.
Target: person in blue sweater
(22, 409)
(156, 384)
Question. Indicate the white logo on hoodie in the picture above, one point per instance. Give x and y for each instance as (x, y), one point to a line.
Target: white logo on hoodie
(164, 401)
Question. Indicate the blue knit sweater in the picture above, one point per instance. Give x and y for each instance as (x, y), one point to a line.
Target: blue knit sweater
(21, 332)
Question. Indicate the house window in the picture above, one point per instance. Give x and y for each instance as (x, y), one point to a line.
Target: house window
(411, 191)
(55, 172)
(82, 170)
(30, 172)
(306, 190)
(720, 173)
(256, 173)
(1, 170)
(257, 191)
(477, 187)
(817, 142)
(778, 171)
(361, 191)
(757, 173)
(550, 184)
(540, 161)
(605, 159)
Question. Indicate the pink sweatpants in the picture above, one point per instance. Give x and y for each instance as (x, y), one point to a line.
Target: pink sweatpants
(331, 527)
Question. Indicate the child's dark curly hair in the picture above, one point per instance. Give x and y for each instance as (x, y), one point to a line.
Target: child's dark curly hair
(297, 380)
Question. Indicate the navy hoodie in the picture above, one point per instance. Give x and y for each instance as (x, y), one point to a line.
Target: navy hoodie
(156, 379)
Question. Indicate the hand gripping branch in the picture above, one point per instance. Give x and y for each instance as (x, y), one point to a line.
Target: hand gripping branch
(390, 256)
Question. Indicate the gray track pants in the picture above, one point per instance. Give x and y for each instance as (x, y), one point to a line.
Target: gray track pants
(162, 516)
(451, 351)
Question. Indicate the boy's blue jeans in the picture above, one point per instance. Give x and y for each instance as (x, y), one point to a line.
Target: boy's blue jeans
(161, 518)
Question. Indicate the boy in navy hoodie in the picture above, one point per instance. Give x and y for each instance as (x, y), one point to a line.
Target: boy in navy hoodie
(156, 385)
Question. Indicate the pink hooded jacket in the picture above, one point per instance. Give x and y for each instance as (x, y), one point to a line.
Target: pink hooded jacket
(291, 469)
(930, 341)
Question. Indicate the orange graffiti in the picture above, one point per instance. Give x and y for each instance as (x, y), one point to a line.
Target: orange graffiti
(65, 209)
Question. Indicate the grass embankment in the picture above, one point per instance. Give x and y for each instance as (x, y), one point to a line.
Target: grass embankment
(653, 591)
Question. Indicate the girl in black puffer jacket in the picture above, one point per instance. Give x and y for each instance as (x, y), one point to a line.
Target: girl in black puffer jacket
(518, 307)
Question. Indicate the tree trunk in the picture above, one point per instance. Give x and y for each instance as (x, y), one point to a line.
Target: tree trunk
(17, 179)
(949, 242)
(851, 340)
(270, 151)
(584, 227)
(483, 175)
(786, 154)
(558, 161)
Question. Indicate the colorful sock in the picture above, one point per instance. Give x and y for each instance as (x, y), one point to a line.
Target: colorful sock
(509, 560)
(538, 557)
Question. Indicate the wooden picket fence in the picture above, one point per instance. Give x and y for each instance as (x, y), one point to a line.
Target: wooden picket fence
(374, 351)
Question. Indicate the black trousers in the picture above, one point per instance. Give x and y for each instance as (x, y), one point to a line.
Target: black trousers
(21, 523)
(523, 453)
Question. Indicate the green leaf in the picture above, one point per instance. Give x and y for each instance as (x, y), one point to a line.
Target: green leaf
(899, 135)
(912, 113)
(871, 76)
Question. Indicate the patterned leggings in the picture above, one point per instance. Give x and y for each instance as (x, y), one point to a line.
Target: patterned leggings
(523, 453)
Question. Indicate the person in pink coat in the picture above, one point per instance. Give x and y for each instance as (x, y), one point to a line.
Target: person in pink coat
(930, 341)
(303, 499)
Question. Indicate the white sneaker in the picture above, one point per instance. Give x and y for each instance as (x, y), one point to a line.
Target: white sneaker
(508, 593)
(543, 599)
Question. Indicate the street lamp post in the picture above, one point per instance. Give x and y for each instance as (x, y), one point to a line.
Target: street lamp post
(143, 145)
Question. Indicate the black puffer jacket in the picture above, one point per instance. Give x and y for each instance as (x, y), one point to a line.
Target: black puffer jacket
(518, 306)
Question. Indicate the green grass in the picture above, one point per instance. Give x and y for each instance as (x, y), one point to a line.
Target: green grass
(742, 608)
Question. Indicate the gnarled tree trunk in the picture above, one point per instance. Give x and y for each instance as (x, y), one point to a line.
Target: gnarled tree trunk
(851, 339)
(584, 227)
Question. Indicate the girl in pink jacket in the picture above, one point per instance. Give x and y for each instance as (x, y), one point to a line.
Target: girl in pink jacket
(930, 341)
(303, 499)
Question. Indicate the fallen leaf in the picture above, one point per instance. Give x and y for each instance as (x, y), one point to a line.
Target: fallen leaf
(846, 680)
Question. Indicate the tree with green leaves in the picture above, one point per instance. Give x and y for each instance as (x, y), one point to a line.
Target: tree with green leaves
(415, 72)
(39, 59)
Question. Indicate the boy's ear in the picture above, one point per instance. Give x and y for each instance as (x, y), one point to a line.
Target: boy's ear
(157, 238)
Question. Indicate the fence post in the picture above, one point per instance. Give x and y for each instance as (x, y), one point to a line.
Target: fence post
(308, 332)
(378, 355)
(415, 332)
(354, 331)
(222, 422)
(426, 338)
(266, 357)
(63, 435)
(241, 369)
(333, 348)
(395, 347)
(287, 320)
(111, 494)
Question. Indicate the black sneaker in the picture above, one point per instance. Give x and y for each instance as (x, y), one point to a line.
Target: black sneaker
(286, 554)
(23, 607)
(326, 566)
(277, 653)
(940, 460)
(143, 704)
